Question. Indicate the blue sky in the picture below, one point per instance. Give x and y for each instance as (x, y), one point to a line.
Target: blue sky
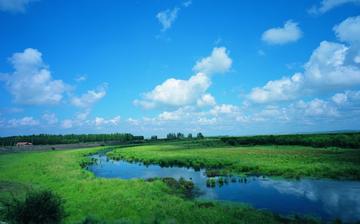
(153, 67)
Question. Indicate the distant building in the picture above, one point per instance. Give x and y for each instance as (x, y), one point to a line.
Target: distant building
(24, 144)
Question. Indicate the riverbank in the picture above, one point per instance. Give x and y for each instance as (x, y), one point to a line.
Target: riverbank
(281, 196)
(115, 200)
(283, 161)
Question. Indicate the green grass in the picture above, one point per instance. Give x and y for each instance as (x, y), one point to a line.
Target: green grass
(136, 201)
(285, 161)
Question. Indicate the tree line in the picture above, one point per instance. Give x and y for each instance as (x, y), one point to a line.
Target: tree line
(180, 135)
(45, 139)
(343, 140)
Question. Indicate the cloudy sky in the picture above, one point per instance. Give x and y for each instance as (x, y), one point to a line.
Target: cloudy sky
(157, 66)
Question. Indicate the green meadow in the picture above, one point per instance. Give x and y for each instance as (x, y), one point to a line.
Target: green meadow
(141, 201)
(270, 160)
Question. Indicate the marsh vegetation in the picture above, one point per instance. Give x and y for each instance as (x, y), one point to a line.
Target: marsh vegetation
(87, 197)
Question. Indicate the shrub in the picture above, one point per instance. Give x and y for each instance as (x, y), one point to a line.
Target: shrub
(40, 207)
(181, 187)
(91, 220)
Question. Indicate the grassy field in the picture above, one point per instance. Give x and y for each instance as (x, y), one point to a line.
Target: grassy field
(285, 161)
(115, 200)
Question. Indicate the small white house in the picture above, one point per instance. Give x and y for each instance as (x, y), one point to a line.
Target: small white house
(20, 144)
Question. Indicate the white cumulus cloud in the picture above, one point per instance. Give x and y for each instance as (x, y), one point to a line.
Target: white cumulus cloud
(50, 118)
(224, 109)
(349, 30)
(316, 107)
(89, 98)
(31, 82)
(347, 97)
(177, 92)
(277, 90)
(193, 91)
(218, 62)
(290, 32)
(327, 66)
(100, 121)
(25, 121)
(206, 100)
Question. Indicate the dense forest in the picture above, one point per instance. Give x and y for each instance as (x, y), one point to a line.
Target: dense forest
(344, 140)
(44, 139)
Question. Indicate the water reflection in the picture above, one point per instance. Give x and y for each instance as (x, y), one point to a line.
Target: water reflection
(340, 199)
(327, 199)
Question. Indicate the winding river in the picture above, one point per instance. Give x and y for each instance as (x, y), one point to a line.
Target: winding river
(327, 199)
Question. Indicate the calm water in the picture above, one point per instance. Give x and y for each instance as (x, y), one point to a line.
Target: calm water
(327, 199)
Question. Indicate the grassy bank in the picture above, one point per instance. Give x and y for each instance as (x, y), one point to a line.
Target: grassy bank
(286, 161)
(123, 201)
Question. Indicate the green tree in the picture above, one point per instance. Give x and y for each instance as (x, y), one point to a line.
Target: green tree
(180, 135)
(200, 135)
(171, 136)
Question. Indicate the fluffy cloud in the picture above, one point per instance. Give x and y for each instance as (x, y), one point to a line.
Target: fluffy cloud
(349, 30)
(282, 35)
(206, 121)
(25, 121)
(50, 118)
(269, 113)
(347, 97)
(224, 109)
(82, 120)
(227, 117)
(90, 97)
(100, 121)
(327, 5)
(31, 82)
(167, 17)
(316, 107)
(179, 92)
(14, 5)
(206, 100)
(170, 116)
(218, 62)
(277, 90)
(218, 114)
(133, 121)
(339, 98)
(82, 116)
(327, 67)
